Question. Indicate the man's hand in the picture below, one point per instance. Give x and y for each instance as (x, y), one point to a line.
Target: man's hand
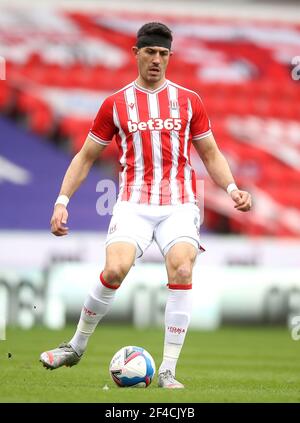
(242, 200)
(58, 220)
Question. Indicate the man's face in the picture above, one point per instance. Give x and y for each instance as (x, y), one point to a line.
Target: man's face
(152, 62)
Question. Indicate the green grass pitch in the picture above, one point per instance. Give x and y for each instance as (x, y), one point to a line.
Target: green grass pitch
(227, 365)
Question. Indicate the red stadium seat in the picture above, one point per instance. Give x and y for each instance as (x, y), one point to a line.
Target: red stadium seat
(5, 94)
(41, 120)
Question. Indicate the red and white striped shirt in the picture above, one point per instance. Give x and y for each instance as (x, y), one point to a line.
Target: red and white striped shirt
(153, 131)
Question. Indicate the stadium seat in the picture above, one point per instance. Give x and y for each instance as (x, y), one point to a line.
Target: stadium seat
(5, 94)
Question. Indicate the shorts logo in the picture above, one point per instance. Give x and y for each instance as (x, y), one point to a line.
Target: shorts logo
(112, 229)
(155, 124)
(196, 223)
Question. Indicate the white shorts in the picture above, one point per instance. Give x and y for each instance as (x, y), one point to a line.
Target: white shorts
(140, 224)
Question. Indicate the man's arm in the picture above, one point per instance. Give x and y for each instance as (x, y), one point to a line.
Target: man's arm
(218, 169)
(75, 175)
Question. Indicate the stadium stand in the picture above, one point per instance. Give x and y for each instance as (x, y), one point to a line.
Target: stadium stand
(30, 172)
(241, 69)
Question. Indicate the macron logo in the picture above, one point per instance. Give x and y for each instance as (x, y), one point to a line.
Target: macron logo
(156, 124)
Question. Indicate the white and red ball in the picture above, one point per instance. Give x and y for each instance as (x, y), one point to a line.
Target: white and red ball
(132, 367)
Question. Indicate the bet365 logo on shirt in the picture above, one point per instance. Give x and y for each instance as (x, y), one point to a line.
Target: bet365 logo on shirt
(155, 124)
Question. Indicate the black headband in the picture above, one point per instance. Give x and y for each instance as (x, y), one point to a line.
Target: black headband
(153, 40)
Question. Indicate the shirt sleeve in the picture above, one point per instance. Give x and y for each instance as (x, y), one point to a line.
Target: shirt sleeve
(200, 124)
(103, 128)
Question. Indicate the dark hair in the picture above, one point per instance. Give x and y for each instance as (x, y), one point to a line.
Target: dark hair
(154, 34)
(155, 28)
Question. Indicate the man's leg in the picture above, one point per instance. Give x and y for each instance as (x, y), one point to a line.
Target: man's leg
(120, 257)
(179, 263)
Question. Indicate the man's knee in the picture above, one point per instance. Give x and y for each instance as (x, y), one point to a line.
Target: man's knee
(184, 273)
(114, 275)
(180, 273)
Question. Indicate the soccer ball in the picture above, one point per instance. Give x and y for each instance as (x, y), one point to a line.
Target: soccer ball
(132, 366)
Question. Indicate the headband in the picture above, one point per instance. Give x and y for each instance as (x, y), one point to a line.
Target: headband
(153, 40)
